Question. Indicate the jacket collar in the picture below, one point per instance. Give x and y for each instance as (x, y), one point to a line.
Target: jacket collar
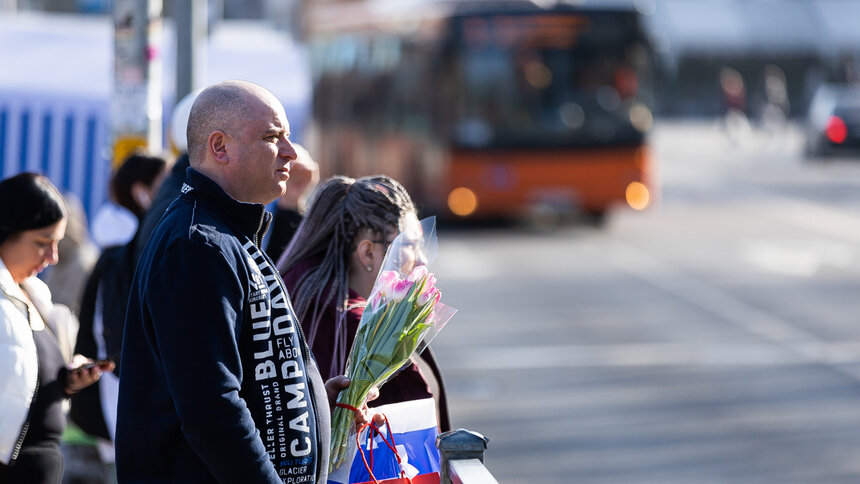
(37, 293)
(250, 219)
(7, 284)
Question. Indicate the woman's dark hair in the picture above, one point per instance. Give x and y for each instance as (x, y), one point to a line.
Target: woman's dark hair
(137, 167)
(29, 201)
(340, 209)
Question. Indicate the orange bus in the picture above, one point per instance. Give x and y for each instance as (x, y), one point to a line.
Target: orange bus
(486, 109)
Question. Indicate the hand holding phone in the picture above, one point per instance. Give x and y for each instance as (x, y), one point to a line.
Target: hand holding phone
(81, 376)
(104, 365)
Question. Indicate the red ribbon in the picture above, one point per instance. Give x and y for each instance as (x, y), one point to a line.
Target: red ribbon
(370, 435)
(356, 411)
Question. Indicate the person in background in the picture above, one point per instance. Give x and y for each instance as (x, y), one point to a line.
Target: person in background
(106, 292)
(210, 340)
(137, 180)
(112, 224)
(103, 306)
(77, 256)
(172, 183)
(330, 267)
(290, 208)
(132, 187)
(36, 366)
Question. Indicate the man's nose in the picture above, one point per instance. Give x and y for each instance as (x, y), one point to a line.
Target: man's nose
(288, 151)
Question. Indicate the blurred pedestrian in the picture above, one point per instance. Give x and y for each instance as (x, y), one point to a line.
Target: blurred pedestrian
(331, 265)
(104, 299)
(734, 91)
(137, 180)
(735, 120)
(131, 189)
(172, 183)
(776, 106)
(77, 254)
(216, 384)
(36, 366)
(112, 224)
(290, 208)
(103, 306)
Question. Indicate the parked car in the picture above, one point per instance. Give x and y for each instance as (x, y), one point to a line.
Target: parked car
(833, 121)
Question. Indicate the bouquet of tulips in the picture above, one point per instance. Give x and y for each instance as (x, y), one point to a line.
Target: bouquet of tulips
(402, 315)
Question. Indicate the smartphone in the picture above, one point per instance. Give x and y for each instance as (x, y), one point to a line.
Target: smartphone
(100, 363)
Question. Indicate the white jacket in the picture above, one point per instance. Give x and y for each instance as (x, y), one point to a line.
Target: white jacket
(19, 366)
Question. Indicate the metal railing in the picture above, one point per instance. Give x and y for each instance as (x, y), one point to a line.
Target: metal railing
(462, 453)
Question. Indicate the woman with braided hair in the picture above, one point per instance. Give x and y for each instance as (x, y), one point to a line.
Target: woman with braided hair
(330, 267)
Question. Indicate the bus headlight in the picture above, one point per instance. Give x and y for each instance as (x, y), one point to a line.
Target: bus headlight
(638, 196)
(462, 201)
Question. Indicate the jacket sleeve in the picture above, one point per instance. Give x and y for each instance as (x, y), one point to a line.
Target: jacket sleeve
(196, 300)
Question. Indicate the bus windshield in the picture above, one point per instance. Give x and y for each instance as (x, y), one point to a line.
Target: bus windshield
(549, 79)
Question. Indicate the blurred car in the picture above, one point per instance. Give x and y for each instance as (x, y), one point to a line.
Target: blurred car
(833, 121)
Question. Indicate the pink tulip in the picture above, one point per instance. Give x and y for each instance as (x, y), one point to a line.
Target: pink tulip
(387, 280)
(418, 273)
(400, 290)
(427, 296)
(427, 289)
(375, 301)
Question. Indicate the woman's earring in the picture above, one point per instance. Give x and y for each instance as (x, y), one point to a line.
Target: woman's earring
(369, 268)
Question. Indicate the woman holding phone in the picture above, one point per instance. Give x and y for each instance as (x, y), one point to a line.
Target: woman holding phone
(36, 336)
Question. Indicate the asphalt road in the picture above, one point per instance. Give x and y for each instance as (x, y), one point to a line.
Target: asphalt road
(711, 338)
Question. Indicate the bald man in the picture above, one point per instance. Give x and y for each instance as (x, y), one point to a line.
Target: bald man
(217, 383)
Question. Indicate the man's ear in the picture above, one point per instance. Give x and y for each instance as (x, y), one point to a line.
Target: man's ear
(217, 144)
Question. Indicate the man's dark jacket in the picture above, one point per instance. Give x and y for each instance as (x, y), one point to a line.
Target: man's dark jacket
(217, 383)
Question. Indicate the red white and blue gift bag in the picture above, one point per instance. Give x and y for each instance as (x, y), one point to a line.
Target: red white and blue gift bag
(403, 448)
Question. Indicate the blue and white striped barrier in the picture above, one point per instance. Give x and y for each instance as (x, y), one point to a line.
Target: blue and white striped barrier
(65, 139)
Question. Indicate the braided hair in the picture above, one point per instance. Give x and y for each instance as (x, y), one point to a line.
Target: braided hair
(341, 208)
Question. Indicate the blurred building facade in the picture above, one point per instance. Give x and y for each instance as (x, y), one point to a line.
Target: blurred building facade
(55, 100)
(278, 11)
(810, 41)
(779, 51)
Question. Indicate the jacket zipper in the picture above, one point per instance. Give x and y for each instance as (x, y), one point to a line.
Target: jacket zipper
(24, 428)
(257, 239)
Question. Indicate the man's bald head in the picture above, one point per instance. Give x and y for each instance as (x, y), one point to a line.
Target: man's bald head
(223, 106)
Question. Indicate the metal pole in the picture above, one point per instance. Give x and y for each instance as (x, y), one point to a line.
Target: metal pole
(191, 36)
(136, 104)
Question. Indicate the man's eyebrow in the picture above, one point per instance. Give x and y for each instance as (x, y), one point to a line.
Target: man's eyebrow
(275, 130)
